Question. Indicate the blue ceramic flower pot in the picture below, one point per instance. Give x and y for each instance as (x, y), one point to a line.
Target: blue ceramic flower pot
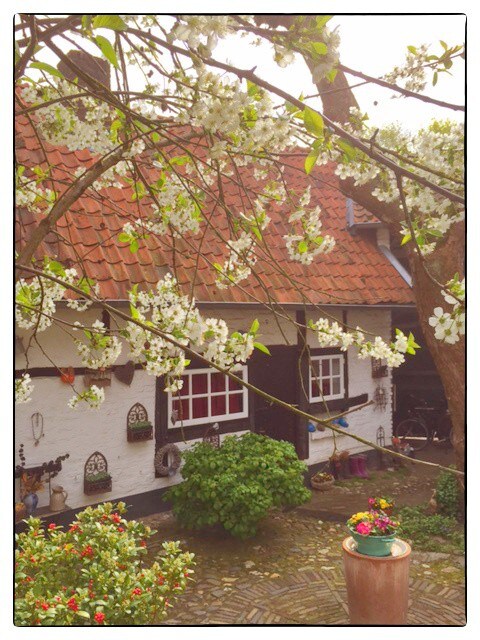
(377, 546)
(30, 501)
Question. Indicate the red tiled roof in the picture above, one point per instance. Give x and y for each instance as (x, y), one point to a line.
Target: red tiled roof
(355, 272)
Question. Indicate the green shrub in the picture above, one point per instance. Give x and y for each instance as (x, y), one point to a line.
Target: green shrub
(94, 573)
(447, 494)
(425, 530)
(236, 484)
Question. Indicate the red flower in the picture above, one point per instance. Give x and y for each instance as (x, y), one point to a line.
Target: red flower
(72, 604)
(52, 526)
(74, 528)
(45, 606)
(121, 529)
(99, 617)
(176, 585)
(32, 559)
(143, 543)
(137, 591)
(28, 579)
(160, 579)
(88, 551)
(116, 518)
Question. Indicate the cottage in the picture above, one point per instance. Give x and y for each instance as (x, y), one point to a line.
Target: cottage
(359, 284)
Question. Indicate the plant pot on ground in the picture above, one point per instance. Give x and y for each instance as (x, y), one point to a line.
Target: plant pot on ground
(138, 431)
(98, 483)
(322, 481)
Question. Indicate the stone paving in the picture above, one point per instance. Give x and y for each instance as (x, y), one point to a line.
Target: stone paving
(291, 573)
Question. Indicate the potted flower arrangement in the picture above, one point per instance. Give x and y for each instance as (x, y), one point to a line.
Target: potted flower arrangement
(374, 532)
(322, 481)
(140, 430)
(384, 504)
(97, 483)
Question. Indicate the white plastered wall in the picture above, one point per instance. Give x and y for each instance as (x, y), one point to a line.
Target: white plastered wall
(364, 422)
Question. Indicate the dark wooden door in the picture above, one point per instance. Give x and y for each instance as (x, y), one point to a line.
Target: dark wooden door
(277, 375)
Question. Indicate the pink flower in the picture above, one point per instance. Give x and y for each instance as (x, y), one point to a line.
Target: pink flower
(371, 501)
(364, 528)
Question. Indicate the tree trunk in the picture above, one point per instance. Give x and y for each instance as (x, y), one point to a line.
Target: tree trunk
(443, 264)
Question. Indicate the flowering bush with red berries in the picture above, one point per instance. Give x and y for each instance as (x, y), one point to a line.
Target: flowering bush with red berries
(95, 573)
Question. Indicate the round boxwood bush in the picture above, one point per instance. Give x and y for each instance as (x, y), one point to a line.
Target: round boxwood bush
(237, 484)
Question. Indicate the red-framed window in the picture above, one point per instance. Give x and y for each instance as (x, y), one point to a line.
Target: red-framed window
(208, 396)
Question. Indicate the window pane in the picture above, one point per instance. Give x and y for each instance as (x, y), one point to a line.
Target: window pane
(336, 386)
(325, 367)
(181, 409)
(185, 390)
(199, 407)
(234, 385)
(235, 403)
(336, 366)
(219, 406)
(199, 383)
(315, 388)
(217, 381)
(326, 389)
(314, 368)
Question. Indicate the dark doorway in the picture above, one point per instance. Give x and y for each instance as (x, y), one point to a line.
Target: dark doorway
(277, 375)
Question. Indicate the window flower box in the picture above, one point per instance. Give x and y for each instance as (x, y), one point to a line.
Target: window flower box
(97, 483)
(138, 431)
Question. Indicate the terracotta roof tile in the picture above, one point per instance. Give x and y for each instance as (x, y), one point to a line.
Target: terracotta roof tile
(355, 272)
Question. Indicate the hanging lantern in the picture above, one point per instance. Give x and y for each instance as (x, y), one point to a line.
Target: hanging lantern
(380, 398)
(381, 443)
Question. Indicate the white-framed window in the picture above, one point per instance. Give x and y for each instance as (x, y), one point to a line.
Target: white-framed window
(326, 379)
(208, 396)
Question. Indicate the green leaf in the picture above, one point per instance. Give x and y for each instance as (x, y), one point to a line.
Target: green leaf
(331, 75)
(406, 238)
(435, 78)
(43, 66)
(412, 49)
(107, 49)
(313, 122)
(302, 246)
(83, 614)
(348, 150)
(321, 21)
(134, 246)
(320, 48)
(124, 237)
(310, 160)
(115, 23)
(252, 89)
(255, 326)
(261, 347)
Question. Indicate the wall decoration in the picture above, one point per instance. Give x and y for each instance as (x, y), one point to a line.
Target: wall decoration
(138, 426)
(96, 478)
(212, 435)
(125, 372)
(167, 460)
(101, 378)
(67, 375)
(379, 368)
(37, 427)
(380, 398)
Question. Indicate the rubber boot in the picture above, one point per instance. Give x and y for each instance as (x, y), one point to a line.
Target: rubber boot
(362, 467)
(344, 468)
(353, 465)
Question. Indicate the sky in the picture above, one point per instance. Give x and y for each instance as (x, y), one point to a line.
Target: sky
(374, 45)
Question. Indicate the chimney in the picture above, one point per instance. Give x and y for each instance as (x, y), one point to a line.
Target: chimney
(96, 68)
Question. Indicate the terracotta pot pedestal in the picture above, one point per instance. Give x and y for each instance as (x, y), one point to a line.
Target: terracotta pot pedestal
(377, 588)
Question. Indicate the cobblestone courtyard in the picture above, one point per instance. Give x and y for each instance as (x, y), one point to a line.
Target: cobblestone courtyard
(291, 573)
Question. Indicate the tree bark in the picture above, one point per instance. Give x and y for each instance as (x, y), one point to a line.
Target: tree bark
(446, 260)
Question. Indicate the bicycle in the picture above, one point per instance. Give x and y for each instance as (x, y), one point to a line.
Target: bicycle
(425, 424)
